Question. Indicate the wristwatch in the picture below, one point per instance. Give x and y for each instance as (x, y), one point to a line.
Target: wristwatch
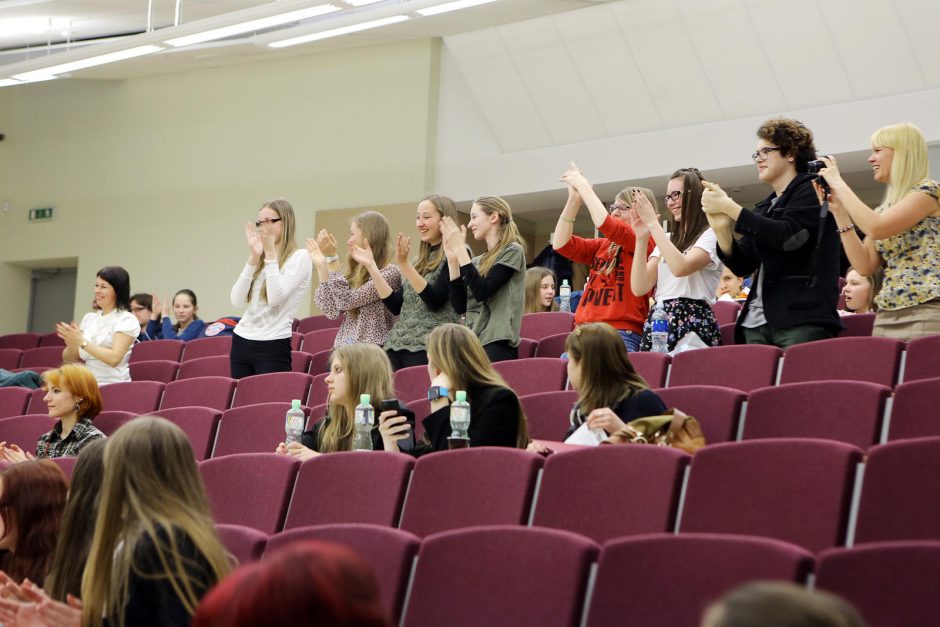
(331, 258)
(437, 391)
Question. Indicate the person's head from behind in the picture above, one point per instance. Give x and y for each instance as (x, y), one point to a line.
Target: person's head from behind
(784, 148)
(185, 307)
(151, 490)
(431, 210)
(113, 289)
(899, 159)
(775, 604)
(355, 369)
(71, 393)
(599, 368)
(306, 584)
(32, 497)
(78, 523)
(729, 283)
(142, 308)
(859, 291)
(540, 290)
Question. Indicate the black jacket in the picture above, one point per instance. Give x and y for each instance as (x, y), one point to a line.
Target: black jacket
(640, 405)
(494, 420)
(801, 269)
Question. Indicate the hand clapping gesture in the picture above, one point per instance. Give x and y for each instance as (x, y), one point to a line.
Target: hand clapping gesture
(70, 334)
(403, 250)
(255, 246)
(574, 178)
(715, 203)
(315, 252)
(643, 208)
(363, 254)
(14, 453)
(454, 237)
(326, 242)
(638, 225)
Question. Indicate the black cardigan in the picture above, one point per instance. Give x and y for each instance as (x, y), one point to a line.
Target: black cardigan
(801, 278)
(494, 420)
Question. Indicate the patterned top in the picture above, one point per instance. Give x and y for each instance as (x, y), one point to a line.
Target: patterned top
(910, 260)
(416, 319)
(52, 445)
(373, 322)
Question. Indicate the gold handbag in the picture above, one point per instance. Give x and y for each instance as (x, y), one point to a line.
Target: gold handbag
(674, 428)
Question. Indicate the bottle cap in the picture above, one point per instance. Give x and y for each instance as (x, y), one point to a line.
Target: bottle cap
(295, 404)
(365, 399)
(461, 395)
(564, 282)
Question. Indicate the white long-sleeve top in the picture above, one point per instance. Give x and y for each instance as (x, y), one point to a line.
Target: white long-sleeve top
(271, 320)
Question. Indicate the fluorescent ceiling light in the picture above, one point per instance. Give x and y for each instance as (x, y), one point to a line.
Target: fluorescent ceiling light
(24, 26)
(452, 6)
(336, 32)
(361, 3)
(101, 59)
(6, 82)
(253, 25)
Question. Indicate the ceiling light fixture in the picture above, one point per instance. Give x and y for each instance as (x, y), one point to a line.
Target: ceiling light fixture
(7, 82)
(101, 59)
(253, 25)
(452, 6)
(360, 3)
(336, 32)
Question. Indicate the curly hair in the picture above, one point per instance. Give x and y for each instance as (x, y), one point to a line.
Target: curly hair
(792, 137)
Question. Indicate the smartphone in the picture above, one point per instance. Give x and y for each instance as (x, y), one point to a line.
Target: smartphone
(394, 404)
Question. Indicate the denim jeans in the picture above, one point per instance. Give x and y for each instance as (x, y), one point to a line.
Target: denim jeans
(631, 340)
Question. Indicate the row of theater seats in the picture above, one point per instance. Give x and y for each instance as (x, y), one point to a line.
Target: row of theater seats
(502, 575)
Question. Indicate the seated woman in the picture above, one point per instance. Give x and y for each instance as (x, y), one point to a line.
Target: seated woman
(540, 290)
(457, 361)
(859, 291)
(355, 369)
(610, 392)
(32, 497)
(103, 339)
(142, 308)
(188, 325)
(73, 398)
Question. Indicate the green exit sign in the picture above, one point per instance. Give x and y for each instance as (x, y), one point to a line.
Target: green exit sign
(39, 215)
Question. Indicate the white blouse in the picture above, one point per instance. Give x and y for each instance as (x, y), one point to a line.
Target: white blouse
(699, 285)
(100, 329)
(272, 320)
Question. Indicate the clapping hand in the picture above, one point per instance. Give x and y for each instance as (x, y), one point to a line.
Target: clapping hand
(454, 237)
(574, 178)
(14, 453)
(70, 334)
(643, 208)
(315, 252)
(326, 242)
(403, 249)
(255, 246)
(636, 223)
(363, 254)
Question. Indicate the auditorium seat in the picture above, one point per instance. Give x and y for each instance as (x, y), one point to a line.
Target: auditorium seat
(219, 346)
(319, 340)
(470, 487)
(538, 374)
(300, 361)
(111, 420)
(677, 576)
(319, 390)
(272, 388)
(160, 370)
(422, 409)
(251, 489)
(199, 424)
(51, 339)
(611, 491)
(795, 490)
(315, 323)
(535, 326)
(742, 366)
(14, 401)
(923, 358)
(717, 408)
(412, 383)
(847, 411)
(48, 357)
(653, 367)
(914, 410)
(501, 577)
(217, 366)
(526, 348)
(10, 358)
(872, 359)
(138, 397)
(66, 465)
(214, 392)
(169, 350)
(22, 341)
(36, 404)
(549, 413)
(25, 430)
(251, 429)
(244, 543)
(320, 362)
(296, 340)
(857, 325)
(727, 334)
(551, 345)
(726, 311)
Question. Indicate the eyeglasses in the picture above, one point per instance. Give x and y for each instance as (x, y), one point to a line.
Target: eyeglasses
(136, 309)
(261, 223)
(674, 197)
(615, 207)
(762, 154)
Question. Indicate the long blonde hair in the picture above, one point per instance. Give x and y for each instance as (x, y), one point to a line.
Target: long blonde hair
(533, 289)
(614, 250)
(287, 245)
(152, 491)
(458, 353)
(607, 376)
(445, 208)
(910, 164)
(508, 231)
(374, 227)
(367, 371)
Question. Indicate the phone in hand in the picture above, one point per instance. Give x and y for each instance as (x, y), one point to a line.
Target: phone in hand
(394, 404)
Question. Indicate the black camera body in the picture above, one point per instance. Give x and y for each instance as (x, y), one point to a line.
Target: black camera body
(813, 167)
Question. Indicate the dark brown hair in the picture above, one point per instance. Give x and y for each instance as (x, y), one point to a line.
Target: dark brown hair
(607, 376)
(792, 137)
(693, 222)
(781, 605)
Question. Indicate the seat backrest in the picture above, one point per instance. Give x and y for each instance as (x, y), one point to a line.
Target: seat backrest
(873, 359)
(22, 341)
(892, 584)
(169, 350)
(300, 361)
(216, 366)
(422, 409)
(14, 401)
(697, 568)
(25, 430)
(535, 326)
(36, 404)
(252, 489)
(923, 358)
(717, 408)
(549, 413)
(110, 421)
(726, 311)
(390, 552)
(271, 388)
(350, 488)
(653, 367)
(319, 340)
(154, 370)
(318, 390)
(913, 412)
(727, 334)
(138, 397)
(551, 345)
(526, 348)
(251, 429)
(857, 325)
(412, 383)
(899, 497)
(10, 358)
(315, 323)
(573, 495)
(66, 464)
(790, 489)
(51, 339)
(47, 357)
(199, 424)
(470, 487)
(214, 392)
(296, 339)
(320, 362)
(743, 366)
(244, 543)
(219, 346)
(847, 411)
(500, 576)
(538, 374)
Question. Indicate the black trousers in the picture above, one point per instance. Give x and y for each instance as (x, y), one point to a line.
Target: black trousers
(249, 357)
(406, 359)
(501, 351)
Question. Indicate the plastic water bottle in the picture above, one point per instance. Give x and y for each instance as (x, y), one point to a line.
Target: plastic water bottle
(365, 416)
(294, 422)
(659, 329)
(459, 421)
(564, 295)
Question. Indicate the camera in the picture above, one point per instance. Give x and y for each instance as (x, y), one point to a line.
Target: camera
(813, 167)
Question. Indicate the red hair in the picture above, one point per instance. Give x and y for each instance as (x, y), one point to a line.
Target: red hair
(307, 583)
(31, 505)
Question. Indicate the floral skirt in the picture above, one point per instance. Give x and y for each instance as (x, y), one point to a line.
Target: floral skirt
(685, 315)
